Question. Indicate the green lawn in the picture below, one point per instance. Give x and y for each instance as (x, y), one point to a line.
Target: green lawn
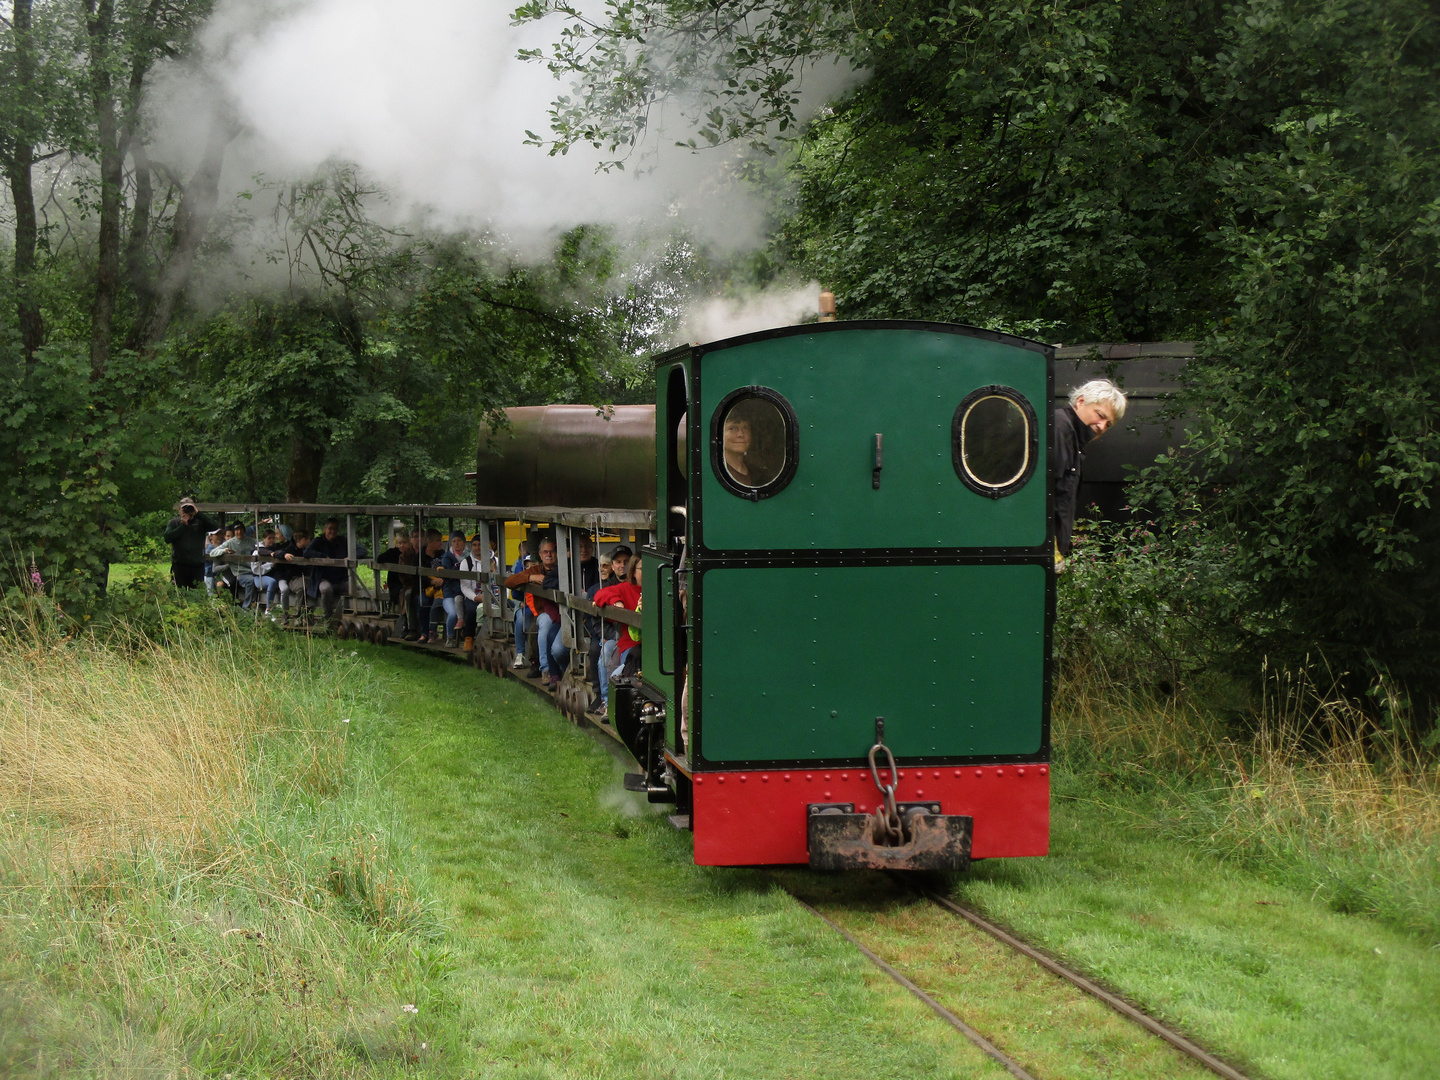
(124, 573)
(440, 876)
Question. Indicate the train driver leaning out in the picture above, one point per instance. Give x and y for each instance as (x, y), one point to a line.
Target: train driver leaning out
(1094, 408)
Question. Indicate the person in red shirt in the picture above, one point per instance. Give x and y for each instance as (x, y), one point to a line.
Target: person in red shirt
(624, 595)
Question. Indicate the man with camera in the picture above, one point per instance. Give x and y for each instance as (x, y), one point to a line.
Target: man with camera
(186, 536)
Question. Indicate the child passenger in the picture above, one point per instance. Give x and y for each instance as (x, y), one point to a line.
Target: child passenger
(625, 595)
(212, 541)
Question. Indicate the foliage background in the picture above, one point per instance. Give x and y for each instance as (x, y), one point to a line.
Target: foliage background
(1262, 177)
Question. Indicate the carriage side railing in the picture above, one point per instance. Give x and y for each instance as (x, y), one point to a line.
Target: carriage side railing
(496, 611)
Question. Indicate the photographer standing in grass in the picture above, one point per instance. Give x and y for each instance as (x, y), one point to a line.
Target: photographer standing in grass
(1094, 408)
(186, 536)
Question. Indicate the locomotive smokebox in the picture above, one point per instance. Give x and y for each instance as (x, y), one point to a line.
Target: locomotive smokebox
(569, 455)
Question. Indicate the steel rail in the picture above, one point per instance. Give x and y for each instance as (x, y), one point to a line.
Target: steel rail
(1011, 1065)
(1119, 1004)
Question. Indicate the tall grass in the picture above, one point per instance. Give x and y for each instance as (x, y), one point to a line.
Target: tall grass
(111, 747)
(1306, 786)
(198, 870)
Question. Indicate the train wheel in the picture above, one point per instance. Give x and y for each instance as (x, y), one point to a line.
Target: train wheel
(382, 636)
(342, 631)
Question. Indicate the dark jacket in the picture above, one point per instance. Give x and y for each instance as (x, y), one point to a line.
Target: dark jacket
(284, 571)
(396, 557)
(593, 627)
(320, 548)
(187, 542)
(1066, 459)
(589, 573)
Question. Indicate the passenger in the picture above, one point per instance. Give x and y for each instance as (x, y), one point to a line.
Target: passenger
(553, 653)
(524, 614)
(329, 583)
(627, 595)
(600, 635)
(451, 595)
(292, 578)
(233, 572)
(401, 586)
(266, 581)
(589, 567)
(212, 541)
(432, 609)
(1093, 409)
(620, 557)
(186, 536)
(248, 544)
(471, 591)
(238, 577)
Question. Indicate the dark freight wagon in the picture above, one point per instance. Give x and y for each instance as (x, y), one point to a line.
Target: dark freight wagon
(854, 524)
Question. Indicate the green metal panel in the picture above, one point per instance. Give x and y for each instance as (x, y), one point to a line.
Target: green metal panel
(845, 386)
(798, 662)
(657, 633)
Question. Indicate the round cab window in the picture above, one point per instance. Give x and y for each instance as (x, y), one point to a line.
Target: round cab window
(753, 442)
(994, 441)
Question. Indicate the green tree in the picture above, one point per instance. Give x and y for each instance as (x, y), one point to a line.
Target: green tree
(73, 75)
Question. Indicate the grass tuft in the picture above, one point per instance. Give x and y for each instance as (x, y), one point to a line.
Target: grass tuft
(1311, 790)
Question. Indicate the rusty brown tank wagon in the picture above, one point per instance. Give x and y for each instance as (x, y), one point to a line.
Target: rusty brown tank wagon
(783, 488)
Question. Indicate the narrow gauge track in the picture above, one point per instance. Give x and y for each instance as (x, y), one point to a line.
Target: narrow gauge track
(1186, 1046)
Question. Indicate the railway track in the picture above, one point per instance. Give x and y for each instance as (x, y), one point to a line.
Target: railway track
(1184, 1045)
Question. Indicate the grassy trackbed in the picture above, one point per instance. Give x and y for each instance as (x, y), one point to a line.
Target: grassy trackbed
(454, 884)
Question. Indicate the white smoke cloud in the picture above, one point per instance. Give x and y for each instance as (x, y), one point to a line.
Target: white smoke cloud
(725, 317)
(429, 98)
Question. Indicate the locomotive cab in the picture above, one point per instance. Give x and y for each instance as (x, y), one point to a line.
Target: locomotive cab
(854, 523)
